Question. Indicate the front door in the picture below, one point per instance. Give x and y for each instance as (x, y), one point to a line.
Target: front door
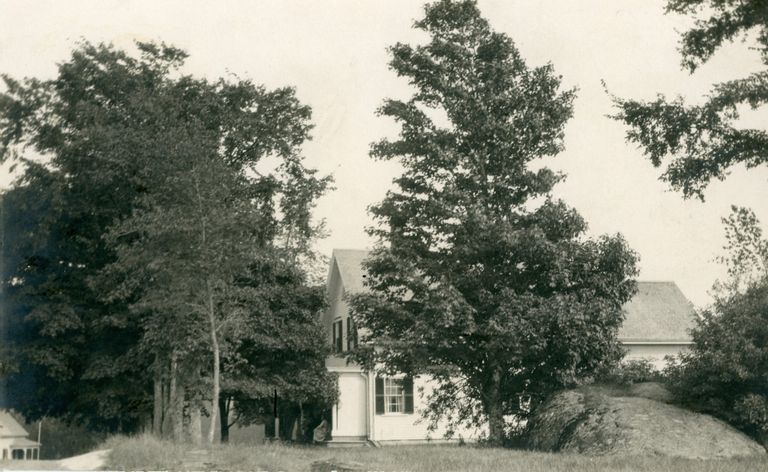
(350, 414)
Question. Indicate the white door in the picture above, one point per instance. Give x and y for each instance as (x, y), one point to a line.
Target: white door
(350, 413)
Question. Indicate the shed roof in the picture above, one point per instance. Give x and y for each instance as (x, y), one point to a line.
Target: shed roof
(9, 427)
(658, 313)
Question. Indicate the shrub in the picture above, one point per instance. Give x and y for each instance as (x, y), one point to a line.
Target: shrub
(631, 372)
(726, 371)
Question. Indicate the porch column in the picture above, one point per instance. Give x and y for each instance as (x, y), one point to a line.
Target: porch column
(335, 419)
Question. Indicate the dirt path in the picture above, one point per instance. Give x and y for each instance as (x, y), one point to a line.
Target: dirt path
(95, 460)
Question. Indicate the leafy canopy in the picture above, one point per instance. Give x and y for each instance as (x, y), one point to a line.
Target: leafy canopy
(123, 158)
(481, 278)
(698, 143)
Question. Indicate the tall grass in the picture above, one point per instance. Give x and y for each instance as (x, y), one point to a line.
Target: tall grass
(148, 453)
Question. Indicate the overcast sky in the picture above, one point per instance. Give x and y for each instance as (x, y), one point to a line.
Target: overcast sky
(334, 53)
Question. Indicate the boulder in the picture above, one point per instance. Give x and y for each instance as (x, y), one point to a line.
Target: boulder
(593, 422)
(651, 391)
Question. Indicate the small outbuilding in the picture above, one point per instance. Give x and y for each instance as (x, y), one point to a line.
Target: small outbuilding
(14, 443)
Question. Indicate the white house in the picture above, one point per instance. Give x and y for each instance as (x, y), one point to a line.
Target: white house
(385, 410)
(14, 443)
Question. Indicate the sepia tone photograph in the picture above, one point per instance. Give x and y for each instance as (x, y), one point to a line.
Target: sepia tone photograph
(384, 235)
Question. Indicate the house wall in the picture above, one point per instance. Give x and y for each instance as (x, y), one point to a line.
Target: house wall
(411, 427)
(4, 443)
(337, 306)
(655, 353)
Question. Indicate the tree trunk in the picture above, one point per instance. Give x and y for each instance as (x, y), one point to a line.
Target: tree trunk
(216, 366)
(212, 324)
(495, 425)
(157, 412)
(195, 425)
(178, 413)
(224, 414)
(302, 426)
(493, 408)
(169, 416)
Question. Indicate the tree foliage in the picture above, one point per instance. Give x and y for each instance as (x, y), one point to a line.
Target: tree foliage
(481, 278)
(726, 371)
(698, 143)
(146, 199)
(277, 347)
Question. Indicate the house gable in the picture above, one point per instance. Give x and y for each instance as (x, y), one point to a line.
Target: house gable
(9, 427)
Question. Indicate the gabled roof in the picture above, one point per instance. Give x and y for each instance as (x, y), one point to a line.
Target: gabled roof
(350, 264)
(9, 427)
(658, 313)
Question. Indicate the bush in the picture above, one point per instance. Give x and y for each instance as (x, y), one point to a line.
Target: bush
(631, 372)
(726, 371)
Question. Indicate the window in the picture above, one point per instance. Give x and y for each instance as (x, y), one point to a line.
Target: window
(337, 332)
(351, 334)
(394, 395)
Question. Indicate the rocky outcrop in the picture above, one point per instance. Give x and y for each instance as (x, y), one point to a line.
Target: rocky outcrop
(601, 422)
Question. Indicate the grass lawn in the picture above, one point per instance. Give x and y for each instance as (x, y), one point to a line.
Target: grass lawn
(147, 453)
(30, 465)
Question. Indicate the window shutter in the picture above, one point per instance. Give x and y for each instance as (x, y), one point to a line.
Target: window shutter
(379, 395)
(408, 393)
(351, 334)
(337, 336)
(339, 340)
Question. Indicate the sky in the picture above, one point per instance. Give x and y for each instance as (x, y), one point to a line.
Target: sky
(334, 52)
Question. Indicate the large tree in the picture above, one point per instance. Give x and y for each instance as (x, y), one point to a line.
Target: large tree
(147, 198)
(480, 277)
(698, 143)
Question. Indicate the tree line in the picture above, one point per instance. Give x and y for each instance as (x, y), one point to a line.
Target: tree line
(157, 245)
